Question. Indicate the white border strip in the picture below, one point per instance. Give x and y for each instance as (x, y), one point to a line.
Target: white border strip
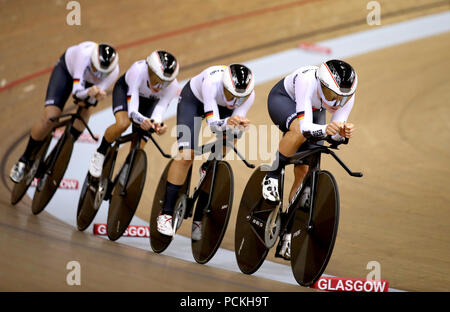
(268, 68)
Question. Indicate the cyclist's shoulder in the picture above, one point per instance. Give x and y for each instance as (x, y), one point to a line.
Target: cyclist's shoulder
(214, 72)
(307, 73)
(138, 66)
(137, 70)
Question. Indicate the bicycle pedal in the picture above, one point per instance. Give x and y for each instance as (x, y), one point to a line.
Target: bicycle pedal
(278, 251)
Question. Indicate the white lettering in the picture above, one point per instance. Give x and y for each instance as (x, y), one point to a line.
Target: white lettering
(74, 16)
(379, 286)
(73, 278)
(322, 284)
(348, 285)
(358, 287)
(340, 285)
(101, 229)
(366, 284)
(374, 16)
(375, 274)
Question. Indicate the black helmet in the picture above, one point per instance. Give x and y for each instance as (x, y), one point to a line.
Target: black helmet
(338, 76)
(163, 64)
(104, 58)
(238, 80)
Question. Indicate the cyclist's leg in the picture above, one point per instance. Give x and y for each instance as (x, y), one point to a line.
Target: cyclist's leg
(319, 117)
(58, 91)
(299, 174)
(115, 130)
(282, 111)
(111, 133)
(189, 113)
(120, 110)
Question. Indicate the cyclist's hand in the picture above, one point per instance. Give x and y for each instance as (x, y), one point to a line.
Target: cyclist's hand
(160, 128)
(100, 95)
(334, 127)
(147, 124)
(235, 121)
(346, 131)
(93, 91)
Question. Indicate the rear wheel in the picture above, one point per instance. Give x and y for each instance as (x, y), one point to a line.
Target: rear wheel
(215, 219)
(158, 241)
(249, 238)
(125, 199)
(19, 189)
(311, 248)
(92, 195)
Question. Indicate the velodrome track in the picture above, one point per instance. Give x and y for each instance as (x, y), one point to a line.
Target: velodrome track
(397, 214)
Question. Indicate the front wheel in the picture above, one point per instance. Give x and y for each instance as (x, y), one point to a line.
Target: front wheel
(125, 198)
(91, 198)
(215, 219)
(311, 247)
(49, 183)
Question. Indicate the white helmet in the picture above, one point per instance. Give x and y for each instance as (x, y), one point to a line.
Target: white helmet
(163, 64)
(338, 76)
(104, 58)
(238, 80)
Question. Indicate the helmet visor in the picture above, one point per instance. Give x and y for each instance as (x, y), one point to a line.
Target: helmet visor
(98, 74)
(331, 96)
(156, 82)
(237, 100)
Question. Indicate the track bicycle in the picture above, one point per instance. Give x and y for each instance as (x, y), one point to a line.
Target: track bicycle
(122, 191)
(214, 215)
(50, 169)
(311, 217)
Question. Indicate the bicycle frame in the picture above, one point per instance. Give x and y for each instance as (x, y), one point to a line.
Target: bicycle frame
(69, 124)
(213, 159)
(135, 139)
(313, 156)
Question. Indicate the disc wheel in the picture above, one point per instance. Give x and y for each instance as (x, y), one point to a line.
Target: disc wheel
(311, 248)
(215, 220)
(249, 238)
(48, 184)
(158, 241)
(92, 195)
(125, 199)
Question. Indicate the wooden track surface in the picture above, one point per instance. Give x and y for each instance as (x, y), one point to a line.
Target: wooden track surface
(397, 214)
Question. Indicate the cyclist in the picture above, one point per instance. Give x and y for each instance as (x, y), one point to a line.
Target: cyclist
(221, 94)
(86, 71)
(304, 96)
(142, 94)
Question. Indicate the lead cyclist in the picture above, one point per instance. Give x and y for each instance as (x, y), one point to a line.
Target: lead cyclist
(298, 105)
